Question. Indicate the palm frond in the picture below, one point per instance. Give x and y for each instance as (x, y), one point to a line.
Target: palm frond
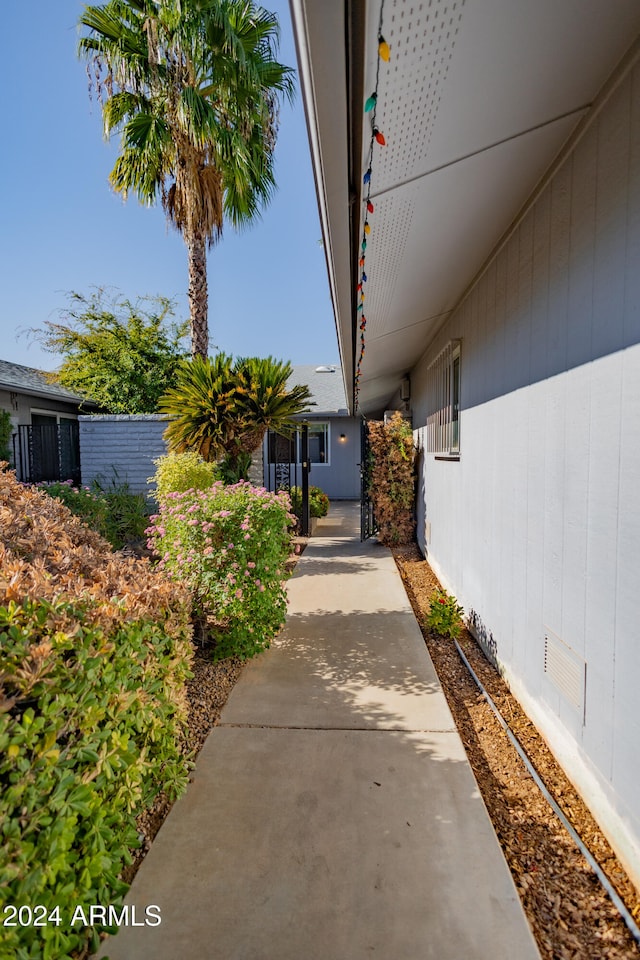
(193, 88)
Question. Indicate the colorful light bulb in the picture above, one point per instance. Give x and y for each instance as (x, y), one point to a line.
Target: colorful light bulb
(367, 176)
(384, 51)
(369, 206)
(370, 103)
(379, 137)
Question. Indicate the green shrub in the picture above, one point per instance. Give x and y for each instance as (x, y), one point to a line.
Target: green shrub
(229, 545)
(178, 472)
(81, 501)
(6, 429)
(90, 739)
(94, 653)
(445, 615)
(127, 513)
(318, 502)
(109, 508)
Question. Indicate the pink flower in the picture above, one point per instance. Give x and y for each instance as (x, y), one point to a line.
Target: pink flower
(239, 594)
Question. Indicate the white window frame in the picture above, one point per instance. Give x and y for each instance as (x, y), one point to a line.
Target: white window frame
(327, 432)
(296, 441)
(443, 411)
(42, 412)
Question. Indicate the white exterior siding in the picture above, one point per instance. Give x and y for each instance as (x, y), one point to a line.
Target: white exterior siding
(537, 527)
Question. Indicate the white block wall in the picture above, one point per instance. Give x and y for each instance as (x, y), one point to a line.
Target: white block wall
(128, 444)
(537, 527)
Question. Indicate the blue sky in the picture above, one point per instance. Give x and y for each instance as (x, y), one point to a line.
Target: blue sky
(63, 228)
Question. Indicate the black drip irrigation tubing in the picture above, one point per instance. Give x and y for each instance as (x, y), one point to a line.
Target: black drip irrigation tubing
(632, 926)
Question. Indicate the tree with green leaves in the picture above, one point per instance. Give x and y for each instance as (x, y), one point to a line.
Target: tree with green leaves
(120, 354)
(193, 88)
(221, 408)
(6, 429)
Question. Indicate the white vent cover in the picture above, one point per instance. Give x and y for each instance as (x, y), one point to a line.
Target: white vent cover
(566, 670)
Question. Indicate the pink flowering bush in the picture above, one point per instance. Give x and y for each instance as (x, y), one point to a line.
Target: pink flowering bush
(229, 545)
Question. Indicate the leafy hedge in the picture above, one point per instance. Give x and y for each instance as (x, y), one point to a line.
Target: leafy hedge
(6, 429)
(111, 509)
(392, 478)
(318, 502)
(229, 545)
(94, 652)
(178, 472)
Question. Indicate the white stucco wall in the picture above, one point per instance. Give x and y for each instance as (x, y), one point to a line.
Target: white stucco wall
(537, 527)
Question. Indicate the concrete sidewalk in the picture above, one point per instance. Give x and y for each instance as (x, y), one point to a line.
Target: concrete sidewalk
(333, 814)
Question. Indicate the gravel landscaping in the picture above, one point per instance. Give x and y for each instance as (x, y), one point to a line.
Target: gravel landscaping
(571, 916)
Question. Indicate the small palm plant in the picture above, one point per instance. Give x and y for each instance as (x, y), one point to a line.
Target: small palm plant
(221, 409)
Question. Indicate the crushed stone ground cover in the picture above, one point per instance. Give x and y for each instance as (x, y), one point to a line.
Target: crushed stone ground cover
(571, 916)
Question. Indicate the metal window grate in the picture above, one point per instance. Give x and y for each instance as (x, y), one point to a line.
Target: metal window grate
(443, 390)
(566, 670)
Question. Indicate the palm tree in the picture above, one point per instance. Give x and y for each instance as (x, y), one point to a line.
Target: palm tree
(222, 409)
(193, 87)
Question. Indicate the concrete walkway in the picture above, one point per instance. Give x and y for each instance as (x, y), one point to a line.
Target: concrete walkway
(333, 814)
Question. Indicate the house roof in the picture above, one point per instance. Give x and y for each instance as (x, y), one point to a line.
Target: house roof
(476, 102)
(326, 385)
(20, 379)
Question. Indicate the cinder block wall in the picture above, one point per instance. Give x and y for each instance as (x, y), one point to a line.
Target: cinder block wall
(128, 444)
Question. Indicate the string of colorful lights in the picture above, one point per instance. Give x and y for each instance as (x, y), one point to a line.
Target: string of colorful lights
(377, 137)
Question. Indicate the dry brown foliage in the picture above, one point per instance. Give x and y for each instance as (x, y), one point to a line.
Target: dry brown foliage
(392, 479)
(46, 553)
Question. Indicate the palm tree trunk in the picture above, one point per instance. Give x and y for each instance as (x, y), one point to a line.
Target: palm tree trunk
(198, 296)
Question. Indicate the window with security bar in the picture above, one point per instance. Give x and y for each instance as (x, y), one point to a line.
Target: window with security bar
(443, 391)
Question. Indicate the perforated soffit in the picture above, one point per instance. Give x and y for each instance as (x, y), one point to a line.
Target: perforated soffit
(422, 36)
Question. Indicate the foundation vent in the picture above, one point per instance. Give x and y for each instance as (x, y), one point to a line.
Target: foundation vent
(566, 670)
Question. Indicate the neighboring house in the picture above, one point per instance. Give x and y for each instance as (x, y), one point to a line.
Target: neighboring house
(503, 297)
(45, 419)
(334, 439)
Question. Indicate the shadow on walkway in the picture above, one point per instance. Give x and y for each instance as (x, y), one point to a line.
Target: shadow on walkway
(333, 814)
